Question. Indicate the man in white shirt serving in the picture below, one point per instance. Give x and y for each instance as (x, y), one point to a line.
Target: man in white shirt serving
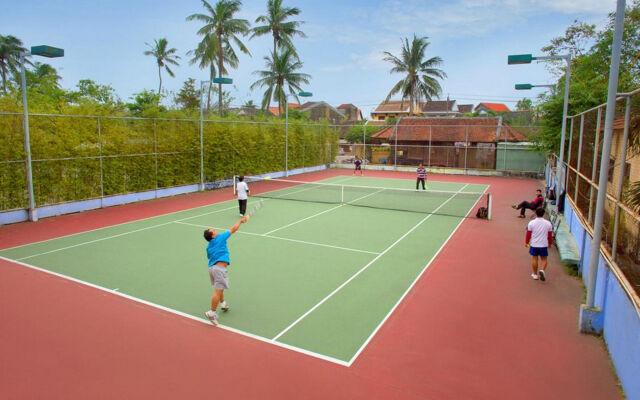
(243, 190)
(539, 238)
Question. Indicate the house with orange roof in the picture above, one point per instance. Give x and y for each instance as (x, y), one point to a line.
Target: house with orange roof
(484, 108)
(276, 111)
(448, 142)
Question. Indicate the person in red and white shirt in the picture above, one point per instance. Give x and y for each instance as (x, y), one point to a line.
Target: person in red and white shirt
(539, 238)
(421, 173)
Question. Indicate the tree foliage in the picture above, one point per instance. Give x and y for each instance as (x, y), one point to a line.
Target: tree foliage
(164, 56)
(525, 104)
(188, 97)
(589, 71)
(10, 50)
(220, 22)
(280, 77)
(421, 79)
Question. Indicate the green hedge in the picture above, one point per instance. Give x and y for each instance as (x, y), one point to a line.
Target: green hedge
(78, 158)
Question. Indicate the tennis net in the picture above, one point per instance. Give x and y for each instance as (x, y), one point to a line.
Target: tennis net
(441, 202)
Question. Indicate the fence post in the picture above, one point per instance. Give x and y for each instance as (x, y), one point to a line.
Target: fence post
(101, 165)
(155, 152)
(466, 143)
(430, 135)
(575, 195)
(614, 70)
(623, 161)
(596, 144)
(201, 138)
(566, 178)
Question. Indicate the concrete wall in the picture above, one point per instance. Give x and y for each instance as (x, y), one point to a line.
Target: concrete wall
(621, 315)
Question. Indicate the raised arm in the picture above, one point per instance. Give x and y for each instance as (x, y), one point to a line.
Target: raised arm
(235, 227)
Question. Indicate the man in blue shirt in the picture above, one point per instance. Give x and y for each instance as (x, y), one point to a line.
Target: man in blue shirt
(218, 255)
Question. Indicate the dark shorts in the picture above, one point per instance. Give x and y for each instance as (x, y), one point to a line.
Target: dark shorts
(358, 168)
(538, 251)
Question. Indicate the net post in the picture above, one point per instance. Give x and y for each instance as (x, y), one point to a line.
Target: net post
(341, 194)
(489, 201)
(235, 192)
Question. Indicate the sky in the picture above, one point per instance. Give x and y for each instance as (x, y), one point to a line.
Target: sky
(343, 52)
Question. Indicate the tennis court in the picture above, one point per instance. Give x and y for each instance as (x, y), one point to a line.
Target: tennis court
(319, 276)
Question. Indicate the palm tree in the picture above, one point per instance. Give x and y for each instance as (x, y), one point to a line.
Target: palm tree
(275, 24)
(280, 72)
(221, 24)
(420, 81)
(10, 51)
(163, 57)
(206, 55)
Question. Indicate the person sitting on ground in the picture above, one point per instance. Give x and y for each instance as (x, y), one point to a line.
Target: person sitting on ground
(533, 205)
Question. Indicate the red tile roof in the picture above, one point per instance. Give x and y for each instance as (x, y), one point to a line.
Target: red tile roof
(497, 107)
(438, 106)
(480, 130)
(276, 111)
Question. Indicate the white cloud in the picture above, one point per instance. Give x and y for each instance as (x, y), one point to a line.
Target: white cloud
(477, 17)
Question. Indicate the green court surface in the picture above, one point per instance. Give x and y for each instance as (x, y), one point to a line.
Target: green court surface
(315, 277)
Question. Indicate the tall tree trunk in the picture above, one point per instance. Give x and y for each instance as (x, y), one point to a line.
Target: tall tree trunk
(220, 73)
(275, 61)
(212, 74)
(160, 76)
(411, 105)
(4, 80)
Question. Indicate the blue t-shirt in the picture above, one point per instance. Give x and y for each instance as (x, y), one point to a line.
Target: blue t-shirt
(217, 249)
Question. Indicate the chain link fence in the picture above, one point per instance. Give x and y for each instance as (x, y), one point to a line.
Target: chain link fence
(621, 224)
(86, 157)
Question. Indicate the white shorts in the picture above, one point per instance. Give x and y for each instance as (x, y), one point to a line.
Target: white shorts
(218, 276)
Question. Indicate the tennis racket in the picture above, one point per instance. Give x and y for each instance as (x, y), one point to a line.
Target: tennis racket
(256, 207)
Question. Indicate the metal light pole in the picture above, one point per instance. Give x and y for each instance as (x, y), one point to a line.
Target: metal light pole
(44, 51)
(526, 59)
(364, 140)
(33, 215)
(606, 151)
(202, 134)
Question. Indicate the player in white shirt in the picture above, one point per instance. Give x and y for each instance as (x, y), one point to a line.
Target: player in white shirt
(539, 238)
(243, 190)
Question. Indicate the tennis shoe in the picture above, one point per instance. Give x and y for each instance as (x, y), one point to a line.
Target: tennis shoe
(212, 316)
(534, 276)
(224, 307)
(521, 216)
(543, 276)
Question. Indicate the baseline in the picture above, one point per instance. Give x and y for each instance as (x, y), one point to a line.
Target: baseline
(116, 292)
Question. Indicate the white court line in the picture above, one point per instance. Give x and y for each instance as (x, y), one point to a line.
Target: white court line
(180, 313)
(126, 233)
(427, 265)
(282, 238)
(364, 268)
(128, 222)
(121, 234)
(322, 212)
